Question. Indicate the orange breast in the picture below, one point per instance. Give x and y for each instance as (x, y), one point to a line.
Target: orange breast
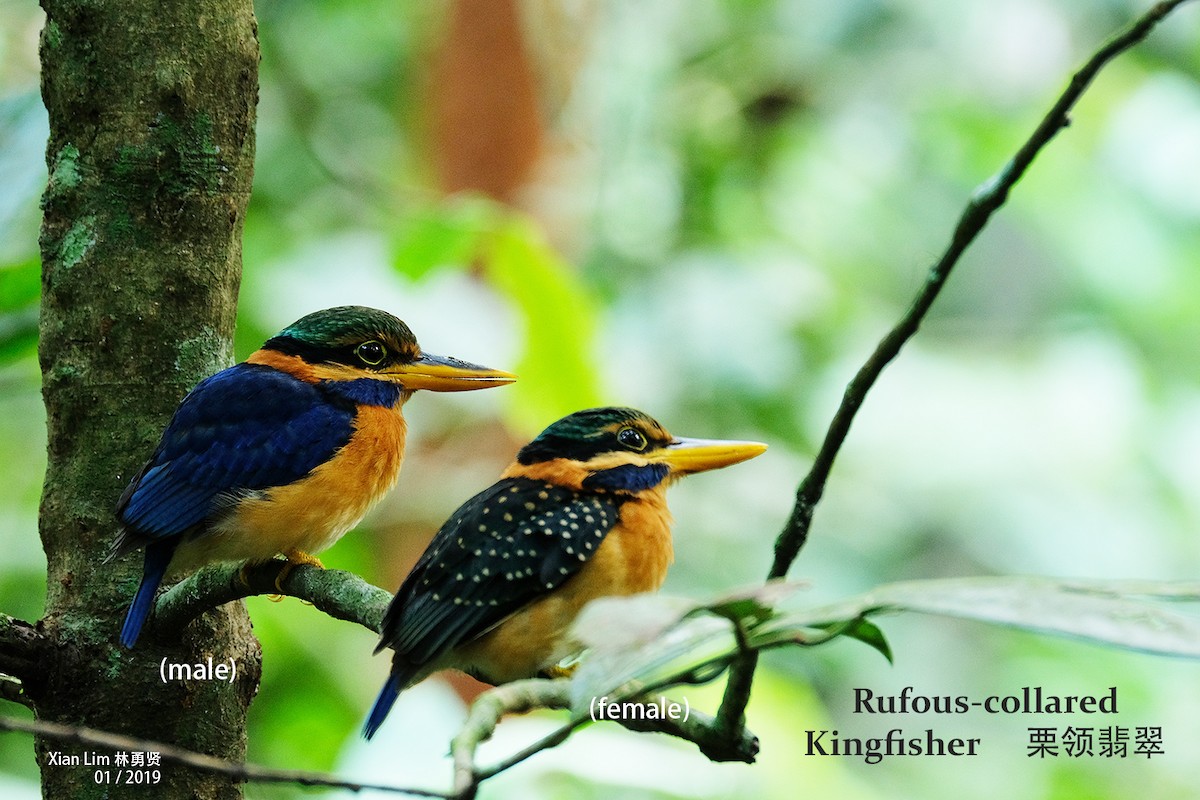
(315, 511)
(632, 559)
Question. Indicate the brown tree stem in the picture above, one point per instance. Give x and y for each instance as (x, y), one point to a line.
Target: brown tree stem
(151, 109)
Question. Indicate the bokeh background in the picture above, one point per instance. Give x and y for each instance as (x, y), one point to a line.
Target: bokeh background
(711, 210)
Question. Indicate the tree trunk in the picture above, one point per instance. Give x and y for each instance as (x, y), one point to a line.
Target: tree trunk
(151, 154)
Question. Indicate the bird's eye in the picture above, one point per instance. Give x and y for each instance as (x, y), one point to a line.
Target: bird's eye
(371, 353)
(631, 438)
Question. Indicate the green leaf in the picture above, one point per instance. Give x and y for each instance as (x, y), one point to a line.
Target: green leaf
(557, 369)
(863, 630)
(1104, 612)
(652, 639)
(447, 234)
(557, 372)
(654, 648)
(754, 605)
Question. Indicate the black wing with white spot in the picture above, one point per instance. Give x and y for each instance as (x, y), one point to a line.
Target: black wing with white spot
(502, 549)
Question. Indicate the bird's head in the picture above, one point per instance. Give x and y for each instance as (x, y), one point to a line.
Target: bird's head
(623, 450)
(350, 343)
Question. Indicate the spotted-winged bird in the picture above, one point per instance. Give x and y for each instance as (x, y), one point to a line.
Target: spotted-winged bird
(284, 452)
(580, 514)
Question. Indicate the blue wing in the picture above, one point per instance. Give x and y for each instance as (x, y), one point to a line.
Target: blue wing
(247, 428)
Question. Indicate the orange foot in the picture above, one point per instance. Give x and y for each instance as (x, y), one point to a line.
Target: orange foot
(559, 671)
(294, 559)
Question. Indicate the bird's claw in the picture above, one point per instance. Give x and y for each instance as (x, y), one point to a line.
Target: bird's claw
(560, 671)
(294, 559)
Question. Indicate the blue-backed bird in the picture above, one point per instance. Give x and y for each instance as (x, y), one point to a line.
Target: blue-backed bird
(580, 514)
(284, 452)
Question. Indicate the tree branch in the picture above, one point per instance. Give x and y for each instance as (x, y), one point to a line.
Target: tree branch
(521, 696)
(239, 773)
(22, 656)
(484, 716)
(14, 691)
(339, 594)
(731, 714)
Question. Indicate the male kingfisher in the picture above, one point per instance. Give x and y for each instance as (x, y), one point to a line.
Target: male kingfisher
(580, 514)
(284, 452)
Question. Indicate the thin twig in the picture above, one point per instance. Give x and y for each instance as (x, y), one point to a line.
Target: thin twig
(731, 714)
(512, 698)
(520, 696)
(240, 773)
(985, 201)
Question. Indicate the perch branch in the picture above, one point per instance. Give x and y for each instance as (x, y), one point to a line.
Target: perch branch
(339, 594)
(522, 696)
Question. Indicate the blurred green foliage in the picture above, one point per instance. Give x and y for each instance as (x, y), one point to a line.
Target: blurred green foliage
(557, 366)
(740, 196)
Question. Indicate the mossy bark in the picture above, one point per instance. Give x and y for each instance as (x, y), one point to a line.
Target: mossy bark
(151, 154)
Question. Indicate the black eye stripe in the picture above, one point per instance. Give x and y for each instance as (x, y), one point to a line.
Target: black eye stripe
(586, 434)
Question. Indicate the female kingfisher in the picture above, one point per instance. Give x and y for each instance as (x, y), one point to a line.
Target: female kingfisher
(284, 452)
(580, 514)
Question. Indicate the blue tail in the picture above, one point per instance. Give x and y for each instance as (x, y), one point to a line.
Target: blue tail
(383, 704)
(158, 556)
